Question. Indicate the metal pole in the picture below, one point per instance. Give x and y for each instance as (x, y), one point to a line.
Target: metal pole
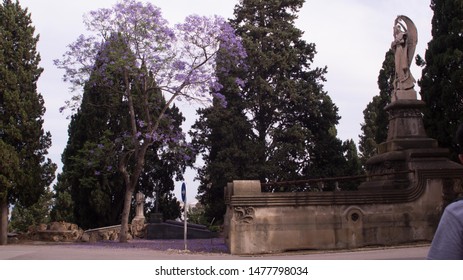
(185, 224)
(184, 214)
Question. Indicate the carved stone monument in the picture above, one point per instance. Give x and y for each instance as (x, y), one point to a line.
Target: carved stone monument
(404, 44)
(410, 181)
(138, 222)
(140, 202)
(407, 146)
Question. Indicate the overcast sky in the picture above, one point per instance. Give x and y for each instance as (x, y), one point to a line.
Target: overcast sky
(351, 36)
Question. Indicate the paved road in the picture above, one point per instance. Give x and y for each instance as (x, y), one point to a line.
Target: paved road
(79, 252)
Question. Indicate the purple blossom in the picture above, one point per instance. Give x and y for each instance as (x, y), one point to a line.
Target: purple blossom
(152, 136)
(141, 123)
(181, 77)
(179, 65)
(182, 61)
(216, 86)
(239, 82)
(231, 42)
(221, 99)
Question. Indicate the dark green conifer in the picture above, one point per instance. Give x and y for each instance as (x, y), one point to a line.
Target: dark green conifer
(376, 121)
(290, 113)
(441, 81)
(25, 173)
(279, 123)
(223, 136)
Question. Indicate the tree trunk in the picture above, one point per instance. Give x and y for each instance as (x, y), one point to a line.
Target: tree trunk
(125, 215)
(3, 221)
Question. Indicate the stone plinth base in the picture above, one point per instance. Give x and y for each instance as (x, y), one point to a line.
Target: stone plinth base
(137, 227)
(407, 147)
(405, 120)
(404, 95)
(406, 143)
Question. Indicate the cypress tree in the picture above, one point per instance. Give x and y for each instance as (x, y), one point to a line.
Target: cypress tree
(38, 213)
(223, 136)
(353, 165)
(278, 123)
(89, 174)
(292, 116)
(376, 120)
(441, 81)
(25, 173)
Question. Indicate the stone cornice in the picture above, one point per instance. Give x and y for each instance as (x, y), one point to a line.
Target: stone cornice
(371, 196)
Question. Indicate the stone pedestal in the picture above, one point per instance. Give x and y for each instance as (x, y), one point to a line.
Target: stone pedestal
(404, 95)
(137, 227)
(406, 129)
(140, 203)
(407, 148)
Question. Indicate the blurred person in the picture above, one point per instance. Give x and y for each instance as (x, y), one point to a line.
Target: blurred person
(447, 243)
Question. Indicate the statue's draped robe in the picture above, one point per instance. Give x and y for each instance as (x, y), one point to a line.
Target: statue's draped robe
(404, 47)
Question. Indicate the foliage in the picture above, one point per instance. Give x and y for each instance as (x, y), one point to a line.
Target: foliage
(91, 156)
(63, 204)
(279, 123)
(38, 213)
(289, 112)
(376, 120)
(25, 173)
(154, 59)
(163, 165)
(223, 136)
(353, 165)
(441, 82)
(180, 60)
(196, 215)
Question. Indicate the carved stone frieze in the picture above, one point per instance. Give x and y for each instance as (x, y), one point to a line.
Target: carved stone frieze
(386, 167)
(405, 113)
(244, 214)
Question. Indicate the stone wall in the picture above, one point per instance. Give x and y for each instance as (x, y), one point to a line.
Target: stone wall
(68, 232)
(110, 233)
(55, 232)
(258, 222)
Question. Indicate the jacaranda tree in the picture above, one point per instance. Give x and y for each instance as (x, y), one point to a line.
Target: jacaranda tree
(177, 62)
(96, 133)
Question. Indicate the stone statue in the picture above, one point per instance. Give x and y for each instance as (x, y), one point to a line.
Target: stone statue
(404, 44)
(140, 203)
(137, 227)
